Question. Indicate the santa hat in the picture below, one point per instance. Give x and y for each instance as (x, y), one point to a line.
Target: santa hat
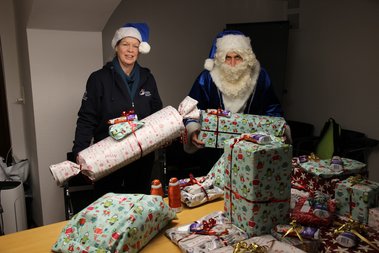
(140, 31)
(227, 41)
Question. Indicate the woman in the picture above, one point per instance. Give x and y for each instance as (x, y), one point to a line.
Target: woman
(121, 85)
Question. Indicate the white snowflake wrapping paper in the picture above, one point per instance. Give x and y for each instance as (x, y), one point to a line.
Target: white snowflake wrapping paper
(191, 242)
(197, 194)
(109, 155)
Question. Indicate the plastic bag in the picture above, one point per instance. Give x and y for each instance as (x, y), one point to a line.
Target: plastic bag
(18, 171)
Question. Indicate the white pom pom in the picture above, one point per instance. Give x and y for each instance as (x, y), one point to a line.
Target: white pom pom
(209, 64)
(144, 48)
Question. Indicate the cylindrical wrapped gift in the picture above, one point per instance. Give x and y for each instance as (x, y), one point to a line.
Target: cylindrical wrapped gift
(109, 155)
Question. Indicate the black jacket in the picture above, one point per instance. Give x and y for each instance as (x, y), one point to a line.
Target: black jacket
(106, 97)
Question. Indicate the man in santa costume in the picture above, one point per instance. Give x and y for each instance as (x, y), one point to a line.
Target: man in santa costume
(232, 80)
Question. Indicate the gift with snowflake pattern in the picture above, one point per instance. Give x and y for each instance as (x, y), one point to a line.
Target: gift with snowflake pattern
(316, 175)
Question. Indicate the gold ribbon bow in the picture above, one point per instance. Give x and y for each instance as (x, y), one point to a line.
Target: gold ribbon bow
(244, 247)
(294, 228)
(356, 228)
(358, 179)
(313, 157)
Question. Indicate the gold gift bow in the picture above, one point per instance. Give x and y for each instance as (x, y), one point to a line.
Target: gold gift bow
(296, 228)
(313, 157)
(354, 227)
(244, 247)
(358, 179)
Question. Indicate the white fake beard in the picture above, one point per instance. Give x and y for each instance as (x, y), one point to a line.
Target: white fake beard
(233, 81)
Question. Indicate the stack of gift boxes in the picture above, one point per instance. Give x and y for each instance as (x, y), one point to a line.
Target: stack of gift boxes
(265, 189)
(273, 201)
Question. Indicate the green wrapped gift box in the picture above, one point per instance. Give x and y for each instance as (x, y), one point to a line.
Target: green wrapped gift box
(356, 196)
(257, 188)
(215, 130)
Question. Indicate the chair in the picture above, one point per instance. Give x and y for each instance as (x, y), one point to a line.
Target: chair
(351, 144)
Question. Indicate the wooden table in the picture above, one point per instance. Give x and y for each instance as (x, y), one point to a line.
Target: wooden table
(40, 239)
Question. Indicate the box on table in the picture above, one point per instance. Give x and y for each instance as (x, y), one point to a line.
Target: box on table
(257, 188)
(315, 174)
(355, 196)
(208, 233)
(215, 130)
(115, 223)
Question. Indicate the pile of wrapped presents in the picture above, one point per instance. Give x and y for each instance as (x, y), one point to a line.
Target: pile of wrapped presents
(273, 201)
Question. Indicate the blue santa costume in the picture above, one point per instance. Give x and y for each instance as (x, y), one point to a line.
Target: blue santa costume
(245, 88)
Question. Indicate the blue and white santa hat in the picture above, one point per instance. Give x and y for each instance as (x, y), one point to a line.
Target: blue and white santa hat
(227, 41)
(140, 31)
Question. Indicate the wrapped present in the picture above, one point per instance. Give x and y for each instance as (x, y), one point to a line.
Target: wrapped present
(120, 130)
(355, 196)
(265, 243)
(199, 190)
(315, 210)
(373, 217)
(332, 242)
(217, 128)
(257, 185)
(115, 223)
(313, 174)
(217, 172)
(109, 155)
(307, 245)
(210, 232)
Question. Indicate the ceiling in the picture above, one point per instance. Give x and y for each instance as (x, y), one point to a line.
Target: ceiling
(72, 15)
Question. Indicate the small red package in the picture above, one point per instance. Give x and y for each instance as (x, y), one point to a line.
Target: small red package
(317, 209)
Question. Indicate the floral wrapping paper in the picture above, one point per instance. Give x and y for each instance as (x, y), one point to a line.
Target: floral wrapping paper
(373, 217)
(109, 155)
(268, 241)
(198, 194)
(316, 176)
(215, 130)
(190, 242)
(115, 223)
(257, 185)
(356, 199)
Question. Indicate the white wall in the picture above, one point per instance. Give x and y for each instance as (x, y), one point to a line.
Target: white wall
(12, 77)
(60, 63)
(333, 67)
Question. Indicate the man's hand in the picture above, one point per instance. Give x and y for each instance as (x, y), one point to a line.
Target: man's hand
(195, 140)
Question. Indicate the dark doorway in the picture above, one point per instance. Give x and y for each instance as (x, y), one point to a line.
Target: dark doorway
(270, 42)
(5, 142)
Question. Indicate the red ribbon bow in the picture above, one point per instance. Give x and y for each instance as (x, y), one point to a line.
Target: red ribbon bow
(192, 181)
(206, 228)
